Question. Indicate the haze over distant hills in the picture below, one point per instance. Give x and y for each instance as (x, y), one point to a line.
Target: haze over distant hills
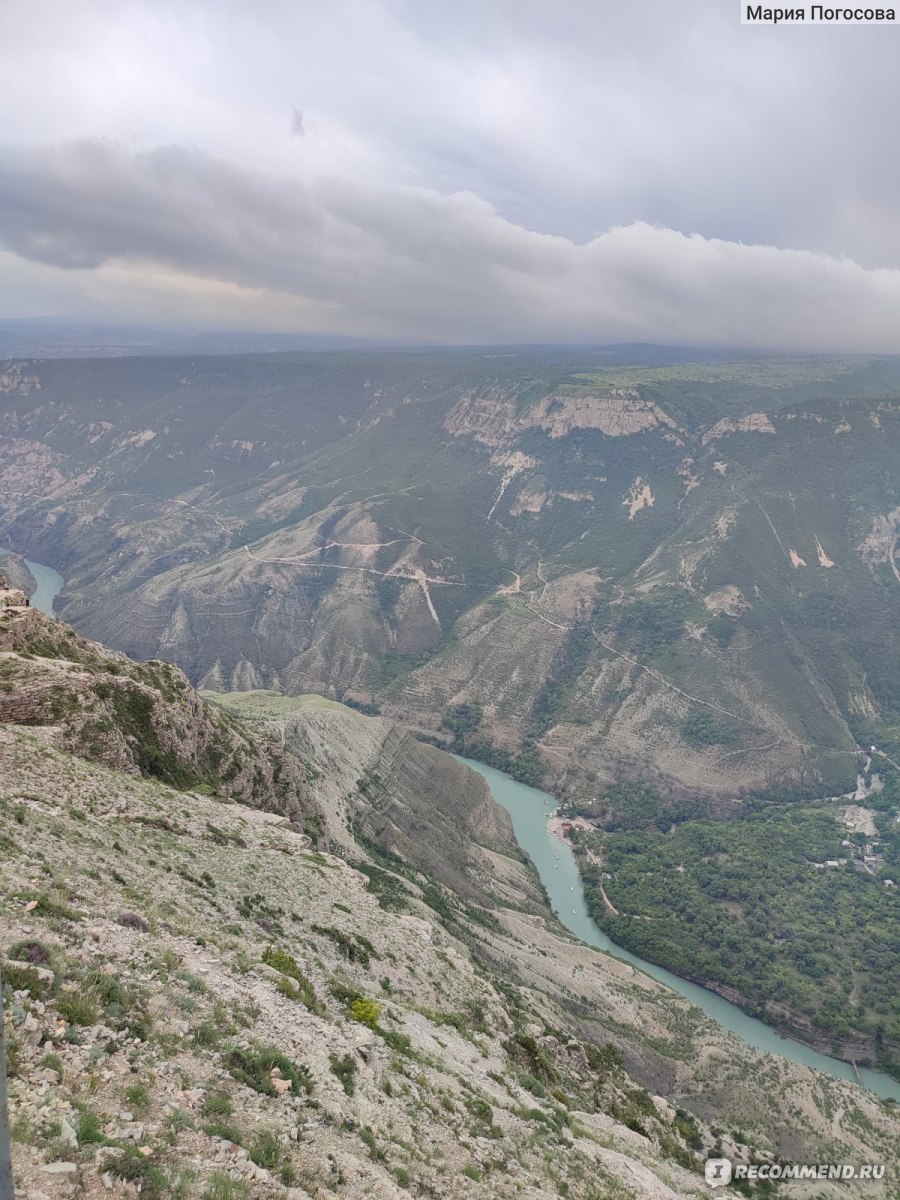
(48, 337)
(596, 554)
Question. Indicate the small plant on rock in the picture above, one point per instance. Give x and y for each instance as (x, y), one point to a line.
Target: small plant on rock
(366, 1011)
(345, 1069)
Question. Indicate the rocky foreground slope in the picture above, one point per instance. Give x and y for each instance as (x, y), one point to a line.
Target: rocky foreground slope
(137, 717)
(203, 1001)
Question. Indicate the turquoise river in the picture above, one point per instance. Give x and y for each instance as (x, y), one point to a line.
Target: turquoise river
(555, 862)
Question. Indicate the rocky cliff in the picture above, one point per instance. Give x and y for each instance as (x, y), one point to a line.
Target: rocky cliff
(138, 717)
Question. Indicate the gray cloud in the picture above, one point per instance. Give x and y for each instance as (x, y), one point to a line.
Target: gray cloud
(414, 262)
(483, 120)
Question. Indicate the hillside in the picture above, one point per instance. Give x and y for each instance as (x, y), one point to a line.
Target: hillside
(136, 717)
(677, 571)
(407, 800)
(789, 911)
(202, 1003)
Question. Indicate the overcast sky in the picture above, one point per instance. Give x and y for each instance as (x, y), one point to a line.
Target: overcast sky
(459, 170)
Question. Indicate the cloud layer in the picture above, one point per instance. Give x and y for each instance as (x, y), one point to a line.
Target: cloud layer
(404, 261)
(499, 169)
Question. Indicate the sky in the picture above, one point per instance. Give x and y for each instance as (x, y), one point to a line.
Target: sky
(469, 172)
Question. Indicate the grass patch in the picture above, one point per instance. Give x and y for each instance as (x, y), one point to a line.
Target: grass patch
(78, 1008)
(138, 1097)
(222, 1187)
(254, 1068)
(217, 1104)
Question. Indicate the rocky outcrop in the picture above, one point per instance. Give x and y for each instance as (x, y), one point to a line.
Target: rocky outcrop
(15, 573)
(758, 422)
(19, 379)
(492, 418)
(413, 800)
(138, 717)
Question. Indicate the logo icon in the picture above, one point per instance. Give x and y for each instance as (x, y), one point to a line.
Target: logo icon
(717, 1172)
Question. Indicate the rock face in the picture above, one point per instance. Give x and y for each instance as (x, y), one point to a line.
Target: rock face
(138, 717)
(493, 418)
(758, 422)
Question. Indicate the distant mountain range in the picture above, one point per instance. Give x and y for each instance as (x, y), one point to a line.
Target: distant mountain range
(681, 572)
(47, 338)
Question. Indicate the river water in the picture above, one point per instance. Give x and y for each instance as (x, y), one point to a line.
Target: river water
(49, 584)
(555, 862)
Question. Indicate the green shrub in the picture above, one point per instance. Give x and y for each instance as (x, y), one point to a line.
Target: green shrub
(288, 965)
(530, 1084)
(342, 991)
(107, 989)
(366, 1011)
(282, 961)
(480, 1109)
(30, 951)
(254, 1068)
(368, 1138)
(217, 1104)
(605, 1059)
(22, 979)
(78, 1008)
(353, 946)
(345, 1068)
